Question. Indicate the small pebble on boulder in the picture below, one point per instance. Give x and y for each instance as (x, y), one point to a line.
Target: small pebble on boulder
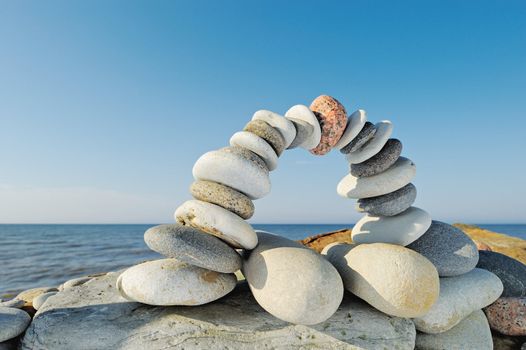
(171, 282)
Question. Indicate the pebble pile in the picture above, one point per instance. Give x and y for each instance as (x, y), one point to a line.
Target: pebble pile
(401, 262)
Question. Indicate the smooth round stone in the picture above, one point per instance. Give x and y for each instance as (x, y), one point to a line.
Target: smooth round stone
(217, 221)
(192, 246)
(234, 167)
(268, 133)
(301, 112)
(459, 297)
(355, 124)
(511, 272)
(391, 278)
(448, 248)
(401, 229)
(508, 316)
(13, 322)
(380, 162)
(28, 295)
(397, 176)
(304, 132)
(257, 145)
(384, 129)
(41, 299)
(282, 124)
(224, 196)
(366, 133)
(472, 333)
(332, 118)
(75, 282)
(389, 204)
(172, 282)
(291, 282)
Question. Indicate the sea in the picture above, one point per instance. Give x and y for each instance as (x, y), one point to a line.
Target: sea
(47, 255)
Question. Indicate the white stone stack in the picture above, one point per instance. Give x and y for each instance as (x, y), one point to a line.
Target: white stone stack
(401, 263)
(399, 253)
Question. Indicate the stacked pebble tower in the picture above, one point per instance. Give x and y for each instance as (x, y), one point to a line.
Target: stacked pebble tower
(401, 262)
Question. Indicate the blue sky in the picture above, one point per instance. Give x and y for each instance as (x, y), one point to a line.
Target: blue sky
(106, 105)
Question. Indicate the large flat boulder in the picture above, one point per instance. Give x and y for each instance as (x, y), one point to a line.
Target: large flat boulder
(95, 316)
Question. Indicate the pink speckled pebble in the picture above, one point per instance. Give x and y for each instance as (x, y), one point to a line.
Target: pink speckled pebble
(508, 315)
(332, 118)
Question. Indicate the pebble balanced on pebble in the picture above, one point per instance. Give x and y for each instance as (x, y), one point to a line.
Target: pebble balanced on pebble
(400, 239)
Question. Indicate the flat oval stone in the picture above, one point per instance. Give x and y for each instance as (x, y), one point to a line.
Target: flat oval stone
(511, 272)
(384, 129)
(401, 229)
(301, 112)
(234, 167)
(397, 176)
(472, 333)
(459, 297)
(366, 133)
(448, 248)
(257, 145)
(508, 316)
(41, 299)
(190, 245)
(355, 124)
(389, 204)
(224, 196)
(75, 282)
(332, 118)
(267, 133)
(304, 132)
(13, 322)
(291, 282)
(217, 221)
(391, 278)
(282, 124)
(171, 282)
(380, 162)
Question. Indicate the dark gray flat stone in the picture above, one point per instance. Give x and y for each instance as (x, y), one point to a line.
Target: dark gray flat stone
(361, 139)
(193, 246)
(303, 131)
(511, 272)
(389, 204)
(451, 251)
(380, 162)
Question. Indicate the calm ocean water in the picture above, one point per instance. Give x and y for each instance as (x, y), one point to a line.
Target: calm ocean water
(47, 255)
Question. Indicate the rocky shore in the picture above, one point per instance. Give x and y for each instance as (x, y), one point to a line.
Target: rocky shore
(88, 313)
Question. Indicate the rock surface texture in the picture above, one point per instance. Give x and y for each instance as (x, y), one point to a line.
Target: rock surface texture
(98, 318)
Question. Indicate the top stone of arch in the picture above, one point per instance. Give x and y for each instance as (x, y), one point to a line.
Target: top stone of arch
(332, 118)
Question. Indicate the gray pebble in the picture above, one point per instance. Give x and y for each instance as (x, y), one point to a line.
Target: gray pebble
(451, 251)
(224, 196)
(511, 272)
(41, 299)
(380, 162)
(365, 135)
(13, 322)
(303, 132)
(193, 246)
(389, 204)
(267, 133)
